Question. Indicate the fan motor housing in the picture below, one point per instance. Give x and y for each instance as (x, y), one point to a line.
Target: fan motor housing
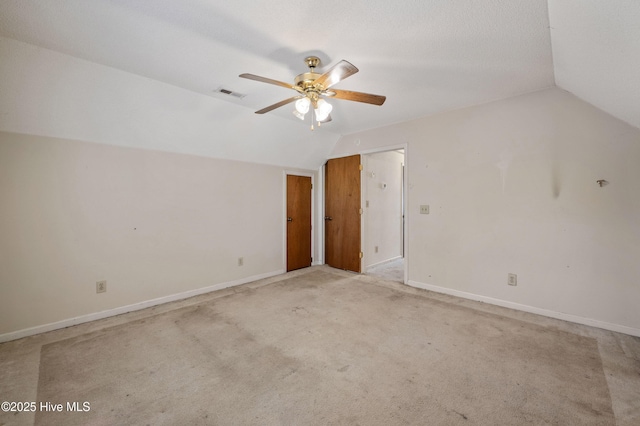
(305, 81)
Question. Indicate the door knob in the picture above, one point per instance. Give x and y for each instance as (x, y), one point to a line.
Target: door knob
(289, 219)
(328, 218)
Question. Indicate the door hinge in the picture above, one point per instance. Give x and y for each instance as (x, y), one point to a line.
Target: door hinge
(361, 211)
(311, 186)
(360, 167)
(361, 254)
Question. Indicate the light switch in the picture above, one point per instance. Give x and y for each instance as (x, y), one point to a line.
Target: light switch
(424, 209)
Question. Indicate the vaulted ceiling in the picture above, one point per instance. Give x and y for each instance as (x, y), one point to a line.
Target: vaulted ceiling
(154, 66)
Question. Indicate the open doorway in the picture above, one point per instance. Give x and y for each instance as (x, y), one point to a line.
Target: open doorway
(384, 216)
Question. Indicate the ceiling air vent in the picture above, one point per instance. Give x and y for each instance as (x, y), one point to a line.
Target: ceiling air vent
(229, 92)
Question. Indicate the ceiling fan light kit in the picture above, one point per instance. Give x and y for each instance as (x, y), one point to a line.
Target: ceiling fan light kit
(302, 105)
(312, 87)
(322, 110)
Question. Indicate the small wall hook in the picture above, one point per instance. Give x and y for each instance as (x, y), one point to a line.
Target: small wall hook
(602, 182)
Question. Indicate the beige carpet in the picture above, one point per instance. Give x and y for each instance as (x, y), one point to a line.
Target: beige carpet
(391, 271)
(323, 348)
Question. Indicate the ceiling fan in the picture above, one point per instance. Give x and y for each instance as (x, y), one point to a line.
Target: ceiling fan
(313, 87)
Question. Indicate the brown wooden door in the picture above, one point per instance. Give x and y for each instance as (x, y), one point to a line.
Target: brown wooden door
(342, 213)
(298, 222)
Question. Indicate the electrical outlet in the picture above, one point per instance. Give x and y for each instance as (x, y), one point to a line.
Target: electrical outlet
(512, 279)
(424, 209)
(376, 249)
(101, 287)
(240, 261)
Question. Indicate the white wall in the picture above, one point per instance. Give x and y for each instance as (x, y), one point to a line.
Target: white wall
(43, 92)
(152, 224)
(512, 189)
(382, 176)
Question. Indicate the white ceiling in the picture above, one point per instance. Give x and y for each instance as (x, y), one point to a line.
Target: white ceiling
(425, 56)
(596, 53)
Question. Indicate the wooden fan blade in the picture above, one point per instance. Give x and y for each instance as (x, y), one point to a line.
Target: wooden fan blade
(278, 105)
(367, 98)
(336, 73)
(267, 80)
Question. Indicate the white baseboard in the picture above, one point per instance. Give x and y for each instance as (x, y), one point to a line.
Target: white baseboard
(531, 309)
(14, 335)
(380, 263)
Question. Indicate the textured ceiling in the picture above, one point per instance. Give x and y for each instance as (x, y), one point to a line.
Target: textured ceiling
(425, 56)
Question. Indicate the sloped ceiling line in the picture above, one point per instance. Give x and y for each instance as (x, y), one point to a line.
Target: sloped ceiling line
(426, 57)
